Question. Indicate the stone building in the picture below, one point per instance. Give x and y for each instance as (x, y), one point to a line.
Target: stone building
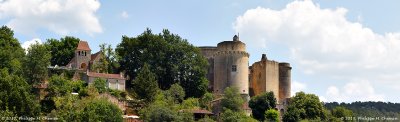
(229, 67)
(84, 60)
(268, 75)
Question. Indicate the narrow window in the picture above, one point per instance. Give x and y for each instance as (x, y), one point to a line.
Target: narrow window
(79, 53)
(234, 68)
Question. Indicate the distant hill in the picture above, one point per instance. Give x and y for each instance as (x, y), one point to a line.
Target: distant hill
(370, 109)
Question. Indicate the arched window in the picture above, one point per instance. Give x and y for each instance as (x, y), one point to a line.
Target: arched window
(83, 66)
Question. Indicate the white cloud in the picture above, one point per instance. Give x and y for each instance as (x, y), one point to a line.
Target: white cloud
(60, 16)
(357, 90)
(297, 87)
(323, 42)
(27, 44)
(124, 14)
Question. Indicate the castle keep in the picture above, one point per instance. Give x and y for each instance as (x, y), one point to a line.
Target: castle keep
(229, 67)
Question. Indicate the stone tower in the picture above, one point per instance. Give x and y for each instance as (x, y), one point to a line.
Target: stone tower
(231, 62)
(284, 81)
(82, 55)
(269, 75)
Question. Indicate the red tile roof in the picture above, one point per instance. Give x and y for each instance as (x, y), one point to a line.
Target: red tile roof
(104, 75)
(83, 45)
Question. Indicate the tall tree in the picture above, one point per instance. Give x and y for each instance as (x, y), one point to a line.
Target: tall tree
(305, 106)
(145, 84)
(111, 58)
(63, 50)
(232, 99)
(108, 60)
(11, 52)
(36, 63)
(170, 57)
(261, 103)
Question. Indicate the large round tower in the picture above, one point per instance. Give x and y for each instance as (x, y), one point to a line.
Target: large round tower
(284, 81)
(231, 66)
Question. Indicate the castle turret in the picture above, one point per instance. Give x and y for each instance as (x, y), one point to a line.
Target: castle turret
(231, 66)
(284, 81)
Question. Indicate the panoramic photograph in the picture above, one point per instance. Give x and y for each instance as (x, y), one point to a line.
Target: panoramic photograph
(200, 60)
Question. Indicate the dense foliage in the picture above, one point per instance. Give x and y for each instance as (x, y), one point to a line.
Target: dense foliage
(370, 109)
(36, 63)
(232, 99)
(11, 52)
(63, 50)
(15, 95)
(261, 103)
(305, 106)
(145, 84)
(170, 57)
(100, 84)
(165, 109)
(101, 110)
(272, 115)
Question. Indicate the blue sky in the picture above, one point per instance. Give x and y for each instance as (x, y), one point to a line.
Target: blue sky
(340, 50)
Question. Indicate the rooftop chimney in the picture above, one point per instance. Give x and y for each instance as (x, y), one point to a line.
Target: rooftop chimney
(264, 57)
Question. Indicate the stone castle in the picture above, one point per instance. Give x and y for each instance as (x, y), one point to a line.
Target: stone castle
(229, 67)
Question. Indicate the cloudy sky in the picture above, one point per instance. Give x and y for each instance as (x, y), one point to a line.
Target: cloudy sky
(340, 50)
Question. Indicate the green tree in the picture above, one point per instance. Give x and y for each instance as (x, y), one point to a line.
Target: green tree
(11, 52)
(305, 106)
(145, 84)
(261, 103)
(235, 116)
(63, 50)
(36, 63)
(15, 95)
(110, 58)
(162, 114)
(163, 109)
(205, 101)
(190, 103)
(67, 108)
(341, 112)
(170, 57)
(101, 110)
(232, 99)
(176, 93)
(59, 86)
(272, 115)
(100, 84)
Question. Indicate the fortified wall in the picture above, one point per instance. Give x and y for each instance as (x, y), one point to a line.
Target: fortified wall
(229, 67)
